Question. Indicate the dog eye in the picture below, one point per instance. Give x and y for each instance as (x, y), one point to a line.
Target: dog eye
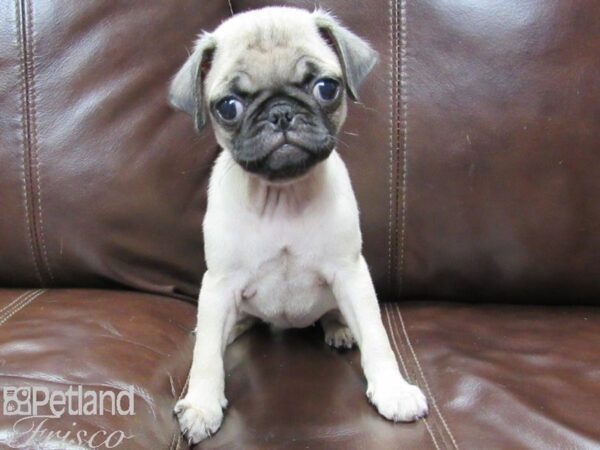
(326, 90)
(230, 108)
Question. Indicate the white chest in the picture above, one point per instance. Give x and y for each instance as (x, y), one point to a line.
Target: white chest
(286, 290)
(277, 247)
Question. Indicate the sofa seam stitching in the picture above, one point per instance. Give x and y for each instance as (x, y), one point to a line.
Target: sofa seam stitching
(34, 139)
(23, 304)
(14, 300)
(406, 371)
(16, 305)
(173, 440)
(426, 384)
(432, 418)
(30, 181)
(429, 420)
(391, 325)
(404, 142)
(391, 66)
(25, 132)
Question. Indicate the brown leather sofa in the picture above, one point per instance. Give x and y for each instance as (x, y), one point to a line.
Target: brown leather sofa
(475, 155)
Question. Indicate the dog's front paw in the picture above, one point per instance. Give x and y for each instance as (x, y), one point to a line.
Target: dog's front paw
(397, 400)
(198, 419)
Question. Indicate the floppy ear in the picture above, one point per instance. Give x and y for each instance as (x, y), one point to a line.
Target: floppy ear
(186, 89)
(355, 54)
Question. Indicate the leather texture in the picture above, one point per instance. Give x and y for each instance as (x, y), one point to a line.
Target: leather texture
(103, 184)
(503, 376)
(496, 376)
(101, 340)
(502, 150)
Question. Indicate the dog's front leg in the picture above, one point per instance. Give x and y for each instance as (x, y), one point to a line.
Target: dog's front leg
(392, 395)
(200, 413)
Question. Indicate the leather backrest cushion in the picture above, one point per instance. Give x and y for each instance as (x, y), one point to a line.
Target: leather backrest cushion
(101, 183)
(503, 149)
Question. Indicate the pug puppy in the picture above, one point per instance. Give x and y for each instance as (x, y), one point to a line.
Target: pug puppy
(282, 236)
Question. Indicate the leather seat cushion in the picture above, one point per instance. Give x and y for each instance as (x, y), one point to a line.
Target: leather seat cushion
(497, 377)
(103, 340)
(501, 377)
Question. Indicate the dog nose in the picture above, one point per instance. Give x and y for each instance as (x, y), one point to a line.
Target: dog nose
(281, 116)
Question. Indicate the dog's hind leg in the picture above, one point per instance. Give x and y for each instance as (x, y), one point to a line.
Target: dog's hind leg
(337, 333)
(241, 327)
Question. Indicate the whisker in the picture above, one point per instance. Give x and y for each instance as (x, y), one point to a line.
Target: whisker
(337, 139)
(363, 106)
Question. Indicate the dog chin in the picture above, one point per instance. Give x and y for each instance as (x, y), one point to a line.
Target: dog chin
(285, 164)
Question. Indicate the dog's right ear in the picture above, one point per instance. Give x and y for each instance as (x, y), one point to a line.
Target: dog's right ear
(186, 89)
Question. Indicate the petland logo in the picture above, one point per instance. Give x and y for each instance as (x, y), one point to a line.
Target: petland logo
(37, 407)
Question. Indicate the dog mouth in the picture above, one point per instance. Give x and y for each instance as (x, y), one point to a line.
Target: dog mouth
(286, 158)
(287, 155)
(285, 162)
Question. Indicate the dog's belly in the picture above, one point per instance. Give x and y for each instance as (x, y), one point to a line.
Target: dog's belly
(286, 295)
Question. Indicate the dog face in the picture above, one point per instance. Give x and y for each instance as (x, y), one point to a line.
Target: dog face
(274, 83)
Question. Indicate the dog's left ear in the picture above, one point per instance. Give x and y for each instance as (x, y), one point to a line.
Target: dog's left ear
(355, 54)
(186, 89)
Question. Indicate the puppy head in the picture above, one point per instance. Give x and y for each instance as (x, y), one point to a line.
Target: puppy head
(274, 83)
